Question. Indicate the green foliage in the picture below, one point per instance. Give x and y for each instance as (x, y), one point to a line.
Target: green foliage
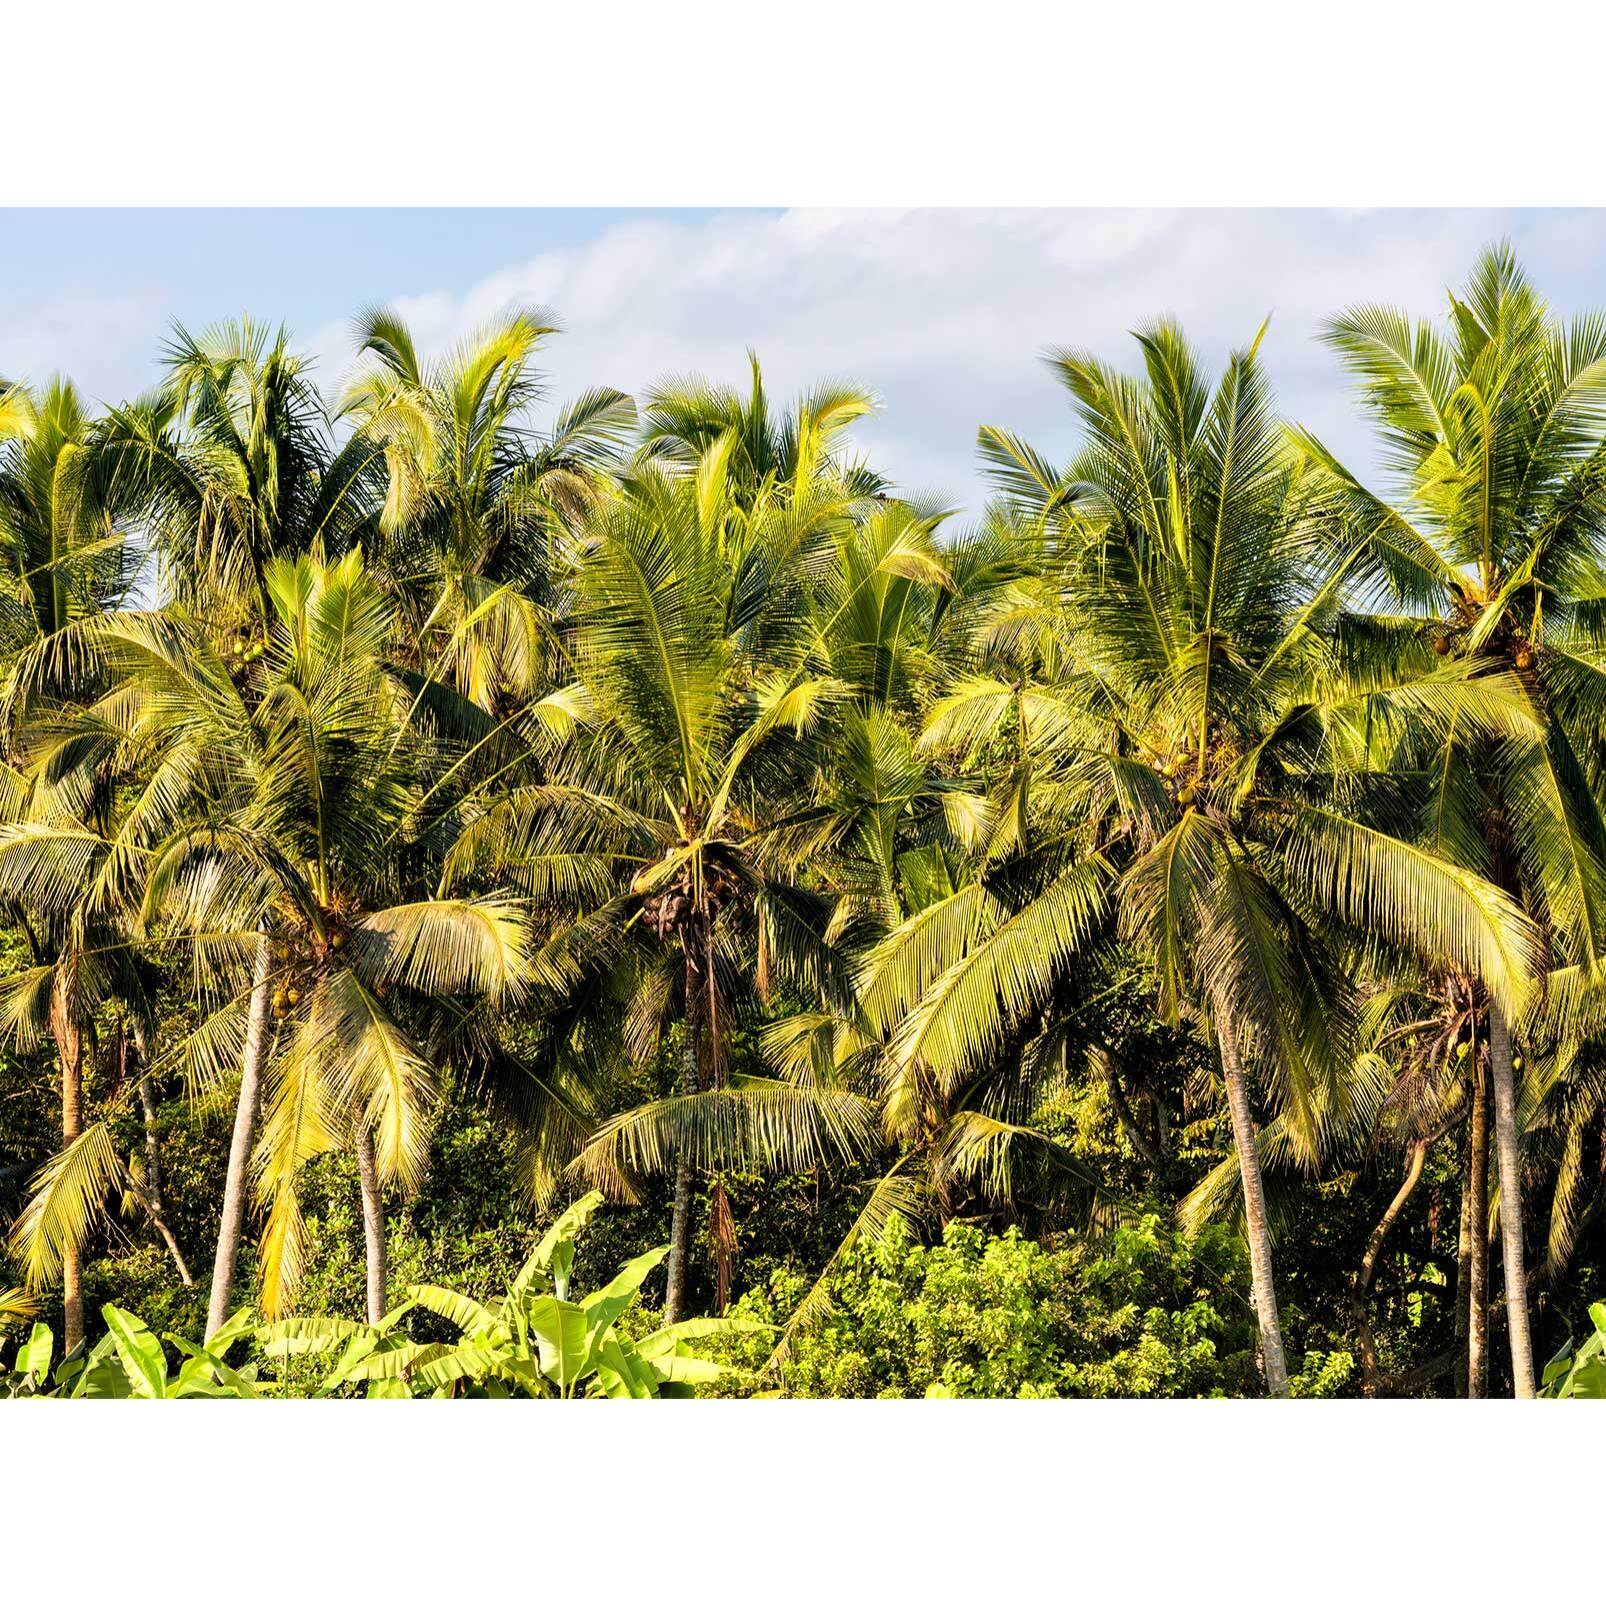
(1138, 1313)
(534, 1342)
(1580, 1374)
(130, 1362)
(1323, 1375)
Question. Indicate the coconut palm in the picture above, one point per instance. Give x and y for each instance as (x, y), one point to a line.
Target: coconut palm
(65, 547)
(478, 507)
(687, 420)
(695, 712)
(881, 834)
(1493, 434)
(232, 462)
(83, 966)
(273, 838)
(229, 463)
(64, 540)
(1182, 746)
(1419, 1072)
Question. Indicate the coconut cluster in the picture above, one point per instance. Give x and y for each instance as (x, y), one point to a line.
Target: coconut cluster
(300, 954)
(1509, 641)
(241, 645)
(1178, 771)
(670, 908)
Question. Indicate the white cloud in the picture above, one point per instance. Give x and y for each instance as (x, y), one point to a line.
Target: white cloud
(102, 339)
(944, 313)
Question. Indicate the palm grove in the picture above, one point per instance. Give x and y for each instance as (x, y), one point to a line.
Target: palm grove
(1203, 846)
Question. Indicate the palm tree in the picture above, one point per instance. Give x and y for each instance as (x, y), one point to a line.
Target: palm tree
(1494, 435)
(885, 835)
(65, 548)
(274, 838)
(64, 540)
(694, 716)
(83, 965)
(1183, 741)
(687, 420)
(478, 509)
(232, 462)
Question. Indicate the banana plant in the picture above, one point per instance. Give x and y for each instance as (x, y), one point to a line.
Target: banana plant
(130, 1363)
(1579, 1374)
(535, 1342)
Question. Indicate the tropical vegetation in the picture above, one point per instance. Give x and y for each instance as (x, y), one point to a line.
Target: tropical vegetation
(1150, 941)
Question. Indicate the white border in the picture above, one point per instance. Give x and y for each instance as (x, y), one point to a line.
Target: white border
(839, 102)
(1376, 102)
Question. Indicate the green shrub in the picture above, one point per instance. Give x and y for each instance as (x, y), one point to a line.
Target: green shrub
(1139, 1313)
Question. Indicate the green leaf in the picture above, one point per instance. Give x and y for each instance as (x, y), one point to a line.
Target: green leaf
(567, 1226)
(606, 1305)
(462, 1312)
(622, 1374)
(140, 1352)
(560, 1330)
(33, 1358)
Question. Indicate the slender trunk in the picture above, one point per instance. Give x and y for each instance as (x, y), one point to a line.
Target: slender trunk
(147, 1105)
(1478, 1209)
(1463, 1279)
(1162, 1127)
(69, 1039)
(1360, 1302)
(1135, 1135)
(680, 1218)
(373, 1224)
(159, 1222)
(1510, 1163)
(1243, 1137)
(240, 1144)
(722, 1232)
(150, 1196)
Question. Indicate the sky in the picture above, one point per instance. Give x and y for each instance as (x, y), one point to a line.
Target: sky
(944, 314)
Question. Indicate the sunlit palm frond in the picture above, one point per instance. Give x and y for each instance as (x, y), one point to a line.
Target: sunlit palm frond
(64, 1203)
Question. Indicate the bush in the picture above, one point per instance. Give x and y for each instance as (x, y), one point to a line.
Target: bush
(1139, 1313)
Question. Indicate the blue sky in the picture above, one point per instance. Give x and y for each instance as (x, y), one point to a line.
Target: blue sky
(943, 313)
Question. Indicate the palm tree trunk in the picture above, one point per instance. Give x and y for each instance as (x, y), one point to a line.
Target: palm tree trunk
(1135, 1135)
(1463, 1280)
(150, 1196)
(1478, 1210)
(69, 1039)
(373, 1224)
(232, 1223)
(159, 1222)
(680, 1217)
(1260, 1274)
(1510, 1162)
(153, 1152)
(147, 1105)
(1360, 1292)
